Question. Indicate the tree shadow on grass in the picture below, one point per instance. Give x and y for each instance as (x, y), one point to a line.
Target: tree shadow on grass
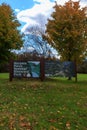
(65, 80)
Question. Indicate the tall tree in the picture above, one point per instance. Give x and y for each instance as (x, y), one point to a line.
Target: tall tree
(67, 30)
(10, 36)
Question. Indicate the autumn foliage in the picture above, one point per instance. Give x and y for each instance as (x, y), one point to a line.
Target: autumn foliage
(10, 36)
(67, 30)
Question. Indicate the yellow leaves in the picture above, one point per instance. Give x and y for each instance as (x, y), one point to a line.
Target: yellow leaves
(24, 123)
(42, 109)
(53, 128)
(68, 125)
(19, 122)
(14, 129)
(21, 118)
(11, 124)
(12, 121)
(68, 27)
(53, 120)
(58, 111)
(1, 124)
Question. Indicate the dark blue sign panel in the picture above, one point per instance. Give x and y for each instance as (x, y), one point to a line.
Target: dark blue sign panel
(57, 68)
(26, 69)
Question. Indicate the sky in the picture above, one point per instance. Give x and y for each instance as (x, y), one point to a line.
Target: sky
(34, 12)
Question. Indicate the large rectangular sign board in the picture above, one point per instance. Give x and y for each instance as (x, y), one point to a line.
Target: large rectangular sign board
(41, 69)
(26, 69)
(57, 68)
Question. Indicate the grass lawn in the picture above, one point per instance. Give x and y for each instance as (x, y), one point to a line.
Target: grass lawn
(55, 104)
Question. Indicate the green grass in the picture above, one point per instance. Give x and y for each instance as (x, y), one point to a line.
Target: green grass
(55, 104)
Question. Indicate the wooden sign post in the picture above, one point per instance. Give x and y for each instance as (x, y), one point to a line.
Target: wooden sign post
(42, 69)
(11, 70)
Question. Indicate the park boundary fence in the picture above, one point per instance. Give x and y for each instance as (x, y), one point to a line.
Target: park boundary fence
(41, 69)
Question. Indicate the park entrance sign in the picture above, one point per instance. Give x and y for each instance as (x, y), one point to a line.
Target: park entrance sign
(41, 69)
(26, 69)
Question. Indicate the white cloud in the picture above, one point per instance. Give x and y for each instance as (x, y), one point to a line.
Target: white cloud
(42, 8)
(17, 10)
(30, 16)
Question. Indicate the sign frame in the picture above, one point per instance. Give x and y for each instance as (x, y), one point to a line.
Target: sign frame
(11, 69)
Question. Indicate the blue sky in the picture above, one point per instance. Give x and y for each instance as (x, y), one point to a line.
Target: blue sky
(34, 12)
(25, 4)
(19, 4)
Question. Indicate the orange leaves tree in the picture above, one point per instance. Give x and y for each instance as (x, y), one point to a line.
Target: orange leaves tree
(67, 30)
(10, 36)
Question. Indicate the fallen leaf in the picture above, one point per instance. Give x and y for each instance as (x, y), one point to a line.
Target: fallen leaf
(26, 125)
(68, 125)
(53, 128)
(22, 118)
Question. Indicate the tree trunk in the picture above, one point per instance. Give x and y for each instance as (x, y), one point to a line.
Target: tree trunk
(69, 78)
